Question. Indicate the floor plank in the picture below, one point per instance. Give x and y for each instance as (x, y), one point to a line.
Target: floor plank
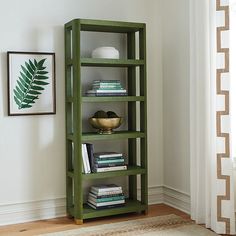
(61, 224)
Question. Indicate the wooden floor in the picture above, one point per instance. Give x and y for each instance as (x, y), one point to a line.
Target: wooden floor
(61, 224)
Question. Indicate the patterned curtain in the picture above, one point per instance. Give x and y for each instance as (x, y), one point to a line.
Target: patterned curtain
(225, 193)
(212, 189)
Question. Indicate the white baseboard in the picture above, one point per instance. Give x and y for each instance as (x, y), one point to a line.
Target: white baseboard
(176, 199)
(52, 208)
(155, 195)
(32, 211)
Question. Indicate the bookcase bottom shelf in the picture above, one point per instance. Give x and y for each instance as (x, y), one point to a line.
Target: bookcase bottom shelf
(130, 206)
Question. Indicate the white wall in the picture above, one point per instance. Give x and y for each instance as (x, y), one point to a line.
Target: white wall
(32, 148)
(176, 94)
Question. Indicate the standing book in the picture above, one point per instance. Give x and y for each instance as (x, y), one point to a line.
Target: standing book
(86, 164)
(90, 150)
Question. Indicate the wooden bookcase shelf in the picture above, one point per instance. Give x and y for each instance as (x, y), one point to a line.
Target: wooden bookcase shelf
(114, 99)
(110, 62)
(130, 206)
(110, 99)
(132, 170)
(74, 100)
(93, 136)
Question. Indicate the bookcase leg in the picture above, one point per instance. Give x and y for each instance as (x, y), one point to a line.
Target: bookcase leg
(145, 212)
(69, 216)
(78, 221)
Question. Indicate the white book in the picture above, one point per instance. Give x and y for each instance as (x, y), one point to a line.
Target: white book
(107, 91)
(106, 188)
(98, 194)
(107, 154)
(99, 204)
(112, 168)
(95, 196)
(85, 169)
(86, 158)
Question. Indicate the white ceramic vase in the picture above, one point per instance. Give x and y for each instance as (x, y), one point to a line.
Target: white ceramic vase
(105, 52)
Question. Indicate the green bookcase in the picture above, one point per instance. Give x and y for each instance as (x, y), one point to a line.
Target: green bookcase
(74, 100)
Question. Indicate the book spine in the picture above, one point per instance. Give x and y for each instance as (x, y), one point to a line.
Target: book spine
(86, 158)
(107, 86)
(85, 169)
(107, 91)
(111, 91)
(108, 165)
(99, 83)
(107, 199)
(114, 168)
(106, 196)
(104, 190)
(105, 207)
(109, 161)
(108, 155)
(106, 193)
(97, 87)
(105, 94)
(108, 158)
(106, 81)
(100, 204)
(90, 150)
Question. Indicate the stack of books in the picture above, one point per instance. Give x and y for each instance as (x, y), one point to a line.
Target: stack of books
(107, 88)
(101, 161)
(106, 196)
(108, 161)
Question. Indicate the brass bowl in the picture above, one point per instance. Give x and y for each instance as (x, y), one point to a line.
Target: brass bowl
(105, 125)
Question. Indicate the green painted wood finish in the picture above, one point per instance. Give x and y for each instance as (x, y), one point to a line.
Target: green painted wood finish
(69, 182)
(132, 111)
(114, 99)
(107, 26)
(77, 122)
(117, 135)
(130, 206)
(132, 170)
(93, 136)
(74, 100)
(110, 99)
(110, 62)
(143, 117)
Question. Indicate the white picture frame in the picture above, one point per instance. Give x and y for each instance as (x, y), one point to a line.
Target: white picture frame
(31, 83)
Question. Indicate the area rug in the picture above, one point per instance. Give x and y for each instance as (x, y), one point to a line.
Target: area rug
(170, 225)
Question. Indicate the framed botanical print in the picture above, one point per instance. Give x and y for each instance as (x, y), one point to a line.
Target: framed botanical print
(31, 83)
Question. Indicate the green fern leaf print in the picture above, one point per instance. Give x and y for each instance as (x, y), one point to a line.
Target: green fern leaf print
(30, 83)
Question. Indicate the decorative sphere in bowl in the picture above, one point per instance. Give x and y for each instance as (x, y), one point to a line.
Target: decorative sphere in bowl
(105, 125)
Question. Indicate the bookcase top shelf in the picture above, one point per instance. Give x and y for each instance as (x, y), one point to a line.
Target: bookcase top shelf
(106, 26)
